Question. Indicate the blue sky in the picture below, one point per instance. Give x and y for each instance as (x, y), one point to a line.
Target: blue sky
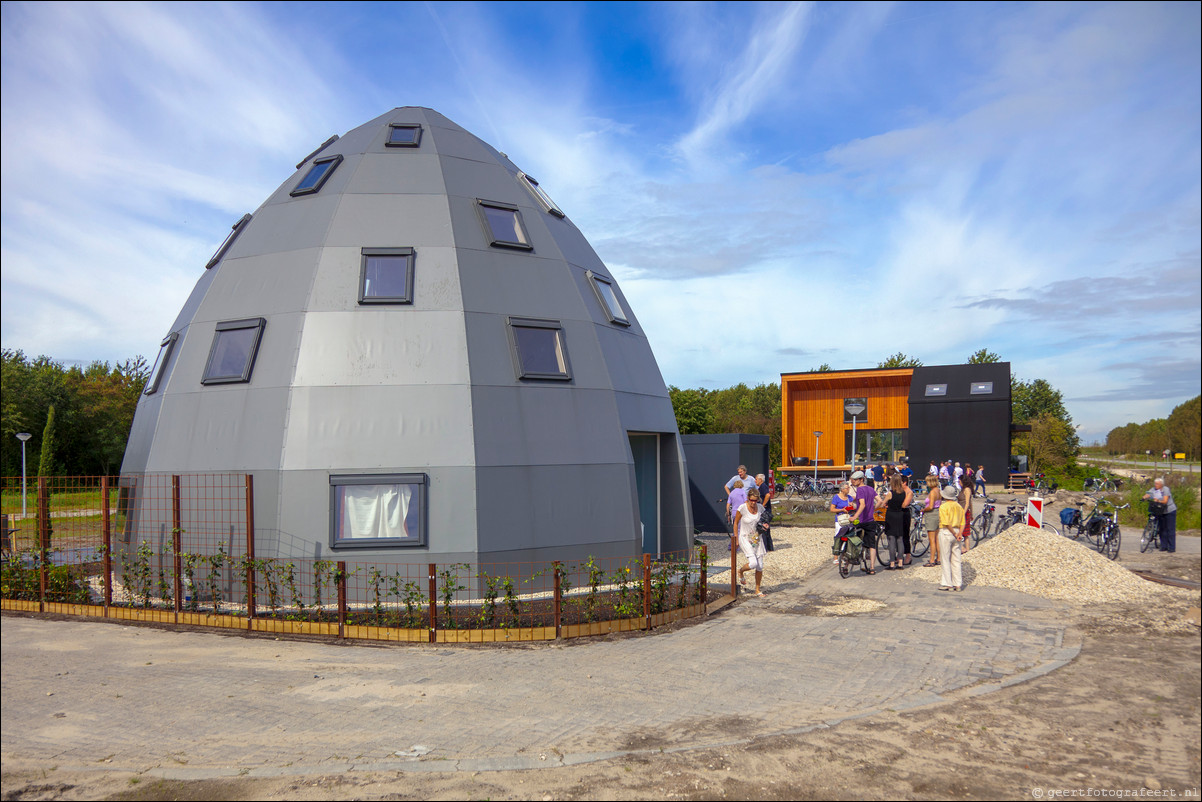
(774, 185)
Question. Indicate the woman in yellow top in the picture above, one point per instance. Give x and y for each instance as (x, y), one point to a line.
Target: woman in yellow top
(951, 535)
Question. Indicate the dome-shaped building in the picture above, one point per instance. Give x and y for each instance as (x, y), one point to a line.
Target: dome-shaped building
(418, 357)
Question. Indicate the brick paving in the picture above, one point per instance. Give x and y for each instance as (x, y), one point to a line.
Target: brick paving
(200, 704)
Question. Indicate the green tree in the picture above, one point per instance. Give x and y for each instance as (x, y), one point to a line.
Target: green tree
(46, 463)
(693, 414)
(900, 360)
(983, 357)
(1185, 427)
(1051, 444)
(823, 368)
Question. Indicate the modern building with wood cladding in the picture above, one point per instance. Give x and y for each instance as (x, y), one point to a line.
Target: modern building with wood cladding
(925, 414)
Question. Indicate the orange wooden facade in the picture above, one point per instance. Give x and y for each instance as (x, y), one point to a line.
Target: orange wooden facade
(814, 402)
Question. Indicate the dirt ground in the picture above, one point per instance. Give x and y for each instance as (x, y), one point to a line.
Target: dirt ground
(1125, 715)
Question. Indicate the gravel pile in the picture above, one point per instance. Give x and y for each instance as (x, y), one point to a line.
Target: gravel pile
(799, 551)
(1037, 562)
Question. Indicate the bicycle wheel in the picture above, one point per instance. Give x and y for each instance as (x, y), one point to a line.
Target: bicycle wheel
(1111, 543)
(918, 540)
(980, 528)
(790, 489)
(1151, 532)
(844, 565)
(1093, 534)
(1047, 526)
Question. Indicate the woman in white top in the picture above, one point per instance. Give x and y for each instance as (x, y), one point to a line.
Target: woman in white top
(750, 542)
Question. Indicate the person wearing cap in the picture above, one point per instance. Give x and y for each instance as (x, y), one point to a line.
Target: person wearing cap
(864, 511)
(951, 536)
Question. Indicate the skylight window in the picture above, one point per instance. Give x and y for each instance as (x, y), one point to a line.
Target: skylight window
(936, 389)
(609, 299)
(981, 388)
(539, 349)
(159, 368)
(232, 356)
(229, 240)
(386, 276)
(378, 511)
(404, 135)
(503, 225)
(542, 196)
(320, 148)
(321, 170)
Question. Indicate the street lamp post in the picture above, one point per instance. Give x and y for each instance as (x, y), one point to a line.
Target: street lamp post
(817, 436)
(855, 409)
(23, 436)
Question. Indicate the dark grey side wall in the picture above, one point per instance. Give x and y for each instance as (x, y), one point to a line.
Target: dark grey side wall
(712, 460)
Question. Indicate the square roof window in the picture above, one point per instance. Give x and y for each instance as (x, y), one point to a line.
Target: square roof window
(229, 240)
(981, 388)
(232, 355)
(386, 276)
(404, 135)
(321, 170)
(609, 299)
(542, 196)
(936, 389)
(159, 368)
(503, 225)
(538, 349)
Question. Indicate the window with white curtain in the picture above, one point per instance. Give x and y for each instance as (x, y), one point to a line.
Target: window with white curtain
(375, 511)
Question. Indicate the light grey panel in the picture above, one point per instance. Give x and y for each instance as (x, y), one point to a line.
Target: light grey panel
(225, 430)
(645, 413)
(491, 362)
(141, 433)
(435, 280)
(451, 511)
(289, 226)
(542, 507)
(515, 283)
(376, 345)
(546, 426)
(379, 428)
(405, 171)
(257, 286)
(471, 179)
(421, 220)
(194, 300)
(459, 143)
(629, 361)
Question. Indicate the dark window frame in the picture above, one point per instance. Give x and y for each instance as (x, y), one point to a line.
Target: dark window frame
(597, 280)
(320, 148)
(936, 390)
(248, 367)
(236, 229)
(417, 137)
(159, 369)
(980, 388)
(419, 480)
(491, 235)
(540, 194)
(332, 161)
(513, 323)
(411, 258)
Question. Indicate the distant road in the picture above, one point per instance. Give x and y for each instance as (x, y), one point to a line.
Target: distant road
(1150, 467)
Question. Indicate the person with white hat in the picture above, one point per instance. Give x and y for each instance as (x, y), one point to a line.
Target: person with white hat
(952, 530)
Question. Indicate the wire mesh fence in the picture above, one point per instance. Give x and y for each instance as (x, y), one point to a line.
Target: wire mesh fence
(182, 548)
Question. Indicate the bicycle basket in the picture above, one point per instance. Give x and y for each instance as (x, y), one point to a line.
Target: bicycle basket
(1095, 525)
(1070, 517)
(1157, 507)
(854, 547)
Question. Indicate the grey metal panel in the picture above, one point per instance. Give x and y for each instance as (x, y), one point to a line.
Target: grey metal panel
(141, 433)
(371, 428)
(629, 361)
(545, 507)
(435, 280)
(459, 143)
(516, 283)
(197, 295)
(257, 286)
(221, 429)
(597, 313)
(403, 171)
(305, 514)
(382, 345)
(489, 354)
(421, 220)
(545, 426)
(289, 226)
(470, 179)
(645, 413)
(676, 516)
(574, 247)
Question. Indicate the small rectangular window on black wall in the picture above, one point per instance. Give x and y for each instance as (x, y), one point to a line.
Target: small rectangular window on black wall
(539, 349)
(370, 511)
(321, 170)
(386, 276)
(232, 356)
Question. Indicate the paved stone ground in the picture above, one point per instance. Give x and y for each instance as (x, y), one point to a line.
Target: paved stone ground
(200, 704)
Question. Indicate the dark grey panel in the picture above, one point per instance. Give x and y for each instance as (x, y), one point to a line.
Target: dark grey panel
(542, 507)
(645, 413)
(489, 354)
(194, 299)
(513, 283)
(257, 286)
(293, 226)
(459, 143)
(574, 247)
(225, 428)
(415, 220)
(712, 459)
(959, 380)
(471, 179)
(628, 360)
(676, 517)
(141, 433)
(597, 313)
(545, 425)
(398, 171)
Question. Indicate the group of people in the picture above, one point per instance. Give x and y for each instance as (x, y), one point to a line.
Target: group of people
(949, 473)
(946, 523)
(749, 509)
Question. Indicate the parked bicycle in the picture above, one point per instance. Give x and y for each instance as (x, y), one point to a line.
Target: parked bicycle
(1106, 483)
(1151, 536)
(1078, 524)
(982, 525)
(1017, 514)
(1111, 537)
(852, 551)
(918, 532)
(1041, 484)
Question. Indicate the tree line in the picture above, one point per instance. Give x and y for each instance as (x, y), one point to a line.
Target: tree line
(1179, 433)
(78, 418)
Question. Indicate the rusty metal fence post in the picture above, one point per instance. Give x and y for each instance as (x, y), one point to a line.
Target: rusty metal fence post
(647, 590)
(433, 602)
(177, 547)
(43, 541)
(341, 599)
(107, 560)
(558, 600)
(250, 550)
(734, 563)
(704, 571)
